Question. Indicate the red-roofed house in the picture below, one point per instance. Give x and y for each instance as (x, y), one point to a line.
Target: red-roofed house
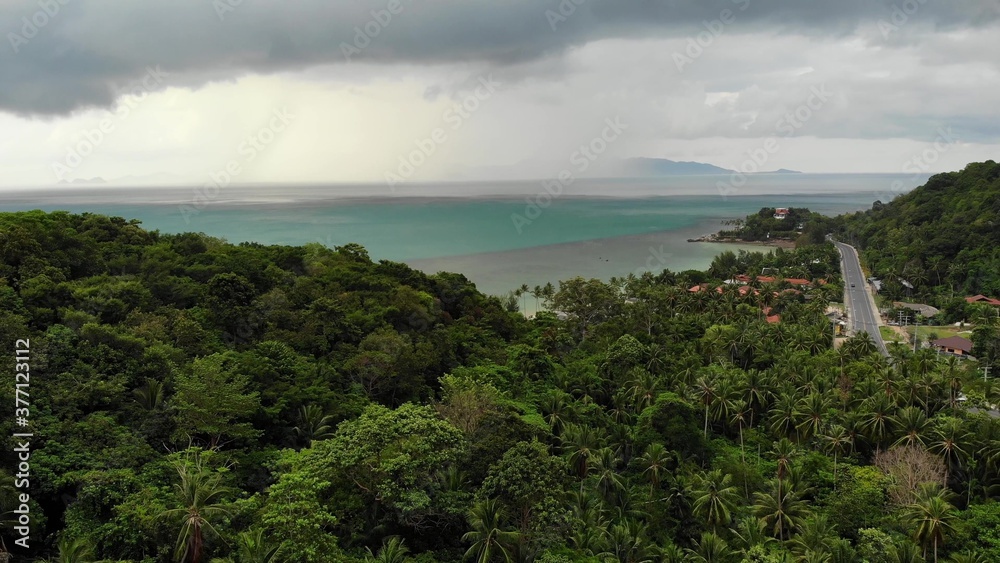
(766, 279)
(774, 319)
(798, 281)
(698, 288)
(955, 345)
(983, 299)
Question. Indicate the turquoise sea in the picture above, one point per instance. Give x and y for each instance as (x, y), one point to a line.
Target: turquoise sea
(500, 235)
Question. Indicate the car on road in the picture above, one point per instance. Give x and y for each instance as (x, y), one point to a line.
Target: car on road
(852, 285)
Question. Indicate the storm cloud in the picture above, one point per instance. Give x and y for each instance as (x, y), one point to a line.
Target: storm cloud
(59, 56)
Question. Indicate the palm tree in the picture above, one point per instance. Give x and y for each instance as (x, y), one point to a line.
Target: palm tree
(582, 444)
(150, 396)
(812, 410)
(672, 553)
(643, 389)
(654, 462)
(948, 437)
(780, 508)
(199, 493)
(784, 415)
(836, 440)
(711, 549)
(756, 392)
(77, 550)
(522, 291)
(968, 557)
(705, 389)
(904, 551)
(953, 377)
(627, 543)
(558, 410)
(933, 520)
(740, 416)
(913, 424)
(816, 535)
(864, 344)
(714, 498)
(878, 420)
(253, 548)
(854, 424)
(314, 425)
(487, 537)
(751, 532)
(785, 451)
(608, 482)
(393, 550)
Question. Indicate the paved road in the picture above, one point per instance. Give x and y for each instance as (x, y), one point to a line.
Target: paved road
(861, 311)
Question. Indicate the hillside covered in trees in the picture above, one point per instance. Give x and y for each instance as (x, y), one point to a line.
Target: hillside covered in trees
(943, 238)
(194, 400)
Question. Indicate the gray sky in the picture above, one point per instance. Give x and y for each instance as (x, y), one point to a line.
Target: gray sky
(348, 90)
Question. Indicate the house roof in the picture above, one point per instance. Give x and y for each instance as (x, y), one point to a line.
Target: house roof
(798, 281)
(982, 299)
(954, 342)
(774, 319)
(698, 288)
(925, 310)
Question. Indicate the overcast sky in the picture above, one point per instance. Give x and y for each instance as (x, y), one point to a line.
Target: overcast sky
(345, 90)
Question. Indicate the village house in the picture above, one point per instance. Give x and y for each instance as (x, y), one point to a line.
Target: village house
(983, 299)
(954, 345)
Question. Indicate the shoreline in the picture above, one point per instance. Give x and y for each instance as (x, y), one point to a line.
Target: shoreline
(778, 243)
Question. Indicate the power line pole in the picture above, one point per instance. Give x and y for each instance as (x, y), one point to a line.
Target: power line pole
(986, 372)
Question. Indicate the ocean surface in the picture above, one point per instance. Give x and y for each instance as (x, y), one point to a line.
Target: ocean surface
(499, 234)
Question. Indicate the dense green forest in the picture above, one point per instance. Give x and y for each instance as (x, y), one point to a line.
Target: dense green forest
(194, 400)
(942, 238)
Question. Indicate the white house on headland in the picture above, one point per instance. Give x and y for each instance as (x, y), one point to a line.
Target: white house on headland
(781, 213)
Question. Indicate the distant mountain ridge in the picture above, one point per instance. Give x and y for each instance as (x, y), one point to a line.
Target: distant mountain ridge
(646, 167)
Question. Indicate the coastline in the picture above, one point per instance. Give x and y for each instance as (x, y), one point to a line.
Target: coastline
(777, 243)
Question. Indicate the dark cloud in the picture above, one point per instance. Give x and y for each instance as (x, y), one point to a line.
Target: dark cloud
(77, 54)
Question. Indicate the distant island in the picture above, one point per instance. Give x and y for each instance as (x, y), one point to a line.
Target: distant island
(84, 181)
(651, 167)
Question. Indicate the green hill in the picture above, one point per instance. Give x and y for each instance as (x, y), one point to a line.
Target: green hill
(943, 238)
